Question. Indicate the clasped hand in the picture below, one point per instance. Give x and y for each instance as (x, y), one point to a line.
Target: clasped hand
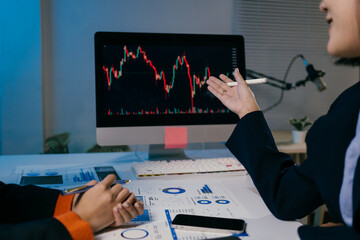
(105, 205)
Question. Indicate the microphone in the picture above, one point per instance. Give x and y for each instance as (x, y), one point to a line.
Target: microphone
(315, 76)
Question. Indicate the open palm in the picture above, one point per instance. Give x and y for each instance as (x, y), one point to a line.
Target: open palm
(239, 100)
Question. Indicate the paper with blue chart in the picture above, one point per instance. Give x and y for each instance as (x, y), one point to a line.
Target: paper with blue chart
(62, 177)
(164, 199)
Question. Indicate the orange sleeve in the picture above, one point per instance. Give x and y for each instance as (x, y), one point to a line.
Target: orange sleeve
(77, 228)
(63, 204)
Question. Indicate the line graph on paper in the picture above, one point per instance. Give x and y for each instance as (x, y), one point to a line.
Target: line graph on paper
(163, 79)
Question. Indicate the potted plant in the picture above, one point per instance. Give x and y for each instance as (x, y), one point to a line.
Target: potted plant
(57, 144)
(300, 124)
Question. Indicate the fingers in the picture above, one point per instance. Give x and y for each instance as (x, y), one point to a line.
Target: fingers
(122, 195)
(217, 87)
(216, 93)
(92, 182)
(225, 79)
(124, 216)
(218, 84)
(108, 180)
(139, 206)
(239, 78)
(220, 88)
(115, 190)
(119, 219)
(126, 211)
(129, 205)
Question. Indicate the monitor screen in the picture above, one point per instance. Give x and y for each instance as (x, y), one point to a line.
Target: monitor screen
(147, 81)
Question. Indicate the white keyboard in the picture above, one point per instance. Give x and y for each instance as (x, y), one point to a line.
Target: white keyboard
(228, 166)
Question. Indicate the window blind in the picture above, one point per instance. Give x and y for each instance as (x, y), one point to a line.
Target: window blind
(277, 30)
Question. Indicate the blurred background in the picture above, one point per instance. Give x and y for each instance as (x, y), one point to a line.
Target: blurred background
(47, 75)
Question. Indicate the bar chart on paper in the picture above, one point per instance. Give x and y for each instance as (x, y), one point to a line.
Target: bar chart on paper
(83, 176)
(62, 177)
(163, 200)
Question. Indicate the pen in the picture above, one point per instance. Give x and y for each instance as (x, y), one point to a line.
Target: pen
(250, 81)
(84, 188)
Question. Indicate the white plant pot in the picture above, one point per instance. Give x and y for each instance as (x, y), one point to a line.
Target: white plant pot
(299, 136)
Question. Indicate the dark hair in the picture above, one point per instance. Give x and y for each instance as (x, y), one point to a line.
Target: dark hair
(348, 61)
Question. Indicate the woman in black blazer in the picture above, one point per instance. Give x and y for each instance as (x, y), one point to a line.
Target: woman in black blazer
(331, 174)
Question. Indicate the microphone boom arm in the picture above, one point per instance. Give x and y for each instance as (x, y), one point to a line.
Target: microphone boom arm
(314, 76)
(275, 82)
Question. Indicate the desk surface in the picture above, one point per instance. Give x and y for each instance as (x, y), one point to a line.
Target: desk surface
(261, 224)
(284, 142)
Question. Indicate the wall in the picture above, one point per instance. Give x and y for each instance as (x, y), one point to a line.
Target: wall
(68, 28)
(20, 78)
(50, 42)
(276, 31)
(68, 58)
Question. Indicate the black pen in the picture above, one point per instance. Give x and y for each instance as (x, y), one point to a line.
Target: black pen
(84, 188)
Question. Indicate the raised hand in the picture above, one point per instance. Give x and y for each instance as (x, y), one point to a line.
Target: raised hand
(239, 99)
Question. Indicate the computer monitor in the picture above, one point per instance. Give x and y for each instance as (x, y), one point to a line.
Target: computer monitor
(146, 82)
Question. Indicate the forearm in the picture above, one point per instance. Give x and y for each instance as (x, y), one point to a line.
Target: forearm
(26, 203)
(281, 184)
(76, 227)
(42, 229)
(33, 211)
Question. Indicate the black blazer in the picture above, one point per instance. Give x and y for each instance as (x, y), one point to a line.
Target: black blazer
(291, 191)
(26, 213)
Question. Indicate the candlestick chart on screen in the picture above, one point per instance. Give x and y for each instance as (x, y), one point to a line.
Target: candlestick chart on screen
(155, 80)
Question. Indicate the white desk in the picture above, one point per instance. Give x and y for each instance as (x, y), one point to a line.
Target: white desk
(262, 224)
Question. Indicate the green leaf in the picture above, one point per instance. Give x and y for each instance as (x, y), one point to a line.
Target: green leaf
(300, 124)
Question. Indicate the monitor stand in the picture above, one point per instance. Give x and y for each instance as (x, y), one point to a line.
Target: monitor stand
(159, 152)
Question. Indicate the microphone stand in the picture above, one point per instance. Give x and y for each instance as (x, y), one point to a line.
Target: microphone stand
(282, 84)
(274, 82)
